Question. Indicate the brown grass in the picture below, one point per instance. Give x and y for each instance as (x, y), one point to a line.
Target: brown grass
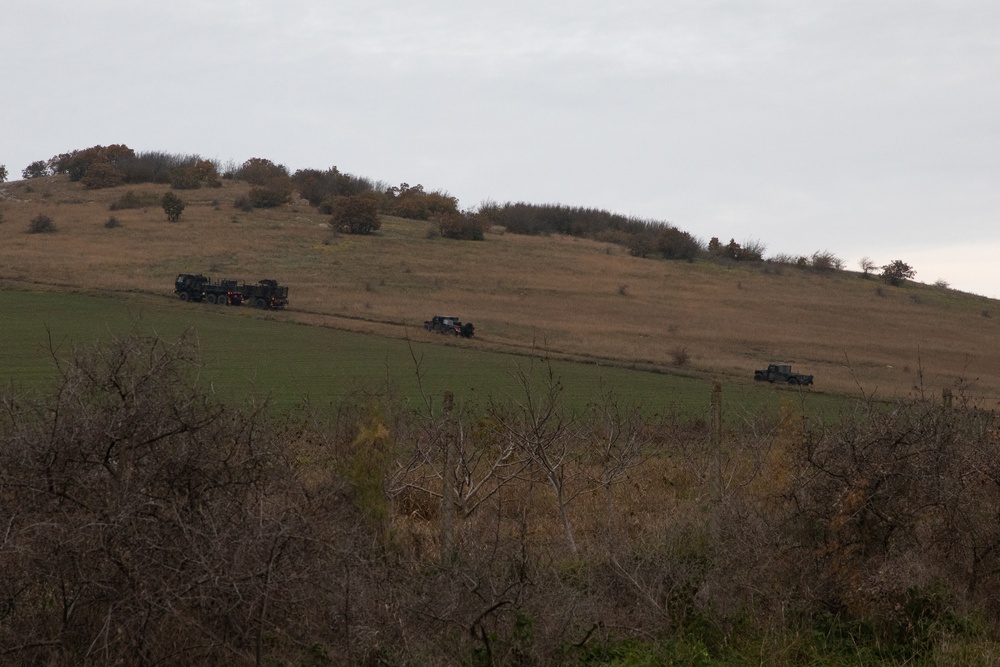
(557, 294)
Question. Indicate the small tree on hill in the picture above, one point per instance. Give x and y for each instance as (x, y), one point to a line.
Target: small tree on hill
(102, 175)
(194, 174)
(258, 171)
(36, 169)
(356, 215)
(3, 173)
(413, 202)
(274, 192)
(897, 272)
(184, 178)
(173, 206)
(76, 163)
(868, 267)
(463, 226)
(715, 248)
(672, 243)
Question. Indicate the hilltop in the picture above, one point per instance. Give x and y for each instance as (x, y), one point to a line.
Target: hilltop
(570, 297)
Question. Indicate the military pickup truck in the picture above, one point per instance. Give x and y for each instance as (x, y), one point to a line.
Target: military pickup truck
(448, 324)
(782, 373)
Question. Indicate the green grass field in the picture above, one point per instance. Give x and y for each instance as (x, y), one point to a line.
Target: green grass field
(250, 353)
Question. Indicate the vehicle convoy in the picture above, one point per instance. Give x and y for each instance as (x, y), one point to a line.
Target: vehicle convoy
(447, 324)
(196, 287)
(782, 373)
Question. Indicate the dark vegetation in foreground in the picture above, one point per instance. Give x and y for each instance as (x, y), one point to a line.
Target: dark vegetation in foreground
(145, 523)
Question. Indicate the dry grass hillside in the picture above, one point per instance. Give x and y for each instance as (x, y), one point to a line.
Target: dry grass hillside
(571, 297)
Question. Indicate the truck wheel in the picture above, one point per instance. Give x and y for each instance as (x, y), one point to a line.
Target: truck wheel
(794, 381)
(210, 298)
(260, 303)
(758, 377)
(185, 296)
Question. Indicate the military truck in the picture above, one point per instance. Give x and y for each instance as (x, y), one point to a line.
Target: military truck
(266, 293)
(782, 373)
(192, 287)
(447, 324)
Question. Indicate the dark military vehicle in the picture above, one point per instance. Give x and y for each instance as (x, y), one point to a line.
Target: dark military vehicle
(265, 294)
(447, 324)
(782, 373)
(190, 287)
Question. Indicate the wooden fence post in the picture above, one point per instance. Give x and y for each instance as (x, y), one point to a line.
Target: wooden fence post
(716, 435)
(448, 484)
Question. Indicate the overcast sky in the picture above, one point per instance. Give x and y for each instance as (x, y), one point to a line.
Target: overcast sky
(861, 127)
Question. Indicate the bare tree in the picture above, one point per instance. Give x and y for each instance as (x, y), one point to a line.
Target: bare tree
(618, 440)
(536, 426)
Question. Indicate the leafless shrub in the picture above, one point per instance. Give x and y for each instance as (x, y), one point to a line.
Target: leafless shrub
(545, 437)
(824, 260)
(868, 266)
(752, 250)
(784, 258)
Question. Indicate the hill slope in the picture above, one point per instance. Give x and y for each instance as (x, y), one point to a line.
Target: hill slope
(567, 296)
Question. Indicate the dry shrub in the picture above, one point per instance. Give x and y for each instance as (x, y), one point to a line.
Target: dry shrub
(463, 226)
(268, 197)
(680, 355)
(243, 203)
(41, 224)
(135, 199)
